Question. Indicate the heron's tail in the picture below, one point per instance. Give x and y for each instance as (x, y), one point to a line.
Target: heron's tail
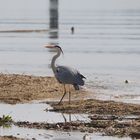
(82, 76)
(76, 87)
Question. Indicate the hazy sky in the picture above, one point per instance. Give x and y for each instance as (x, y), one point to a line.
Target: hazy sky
(28, 8)
(92, 4)
(101, 4)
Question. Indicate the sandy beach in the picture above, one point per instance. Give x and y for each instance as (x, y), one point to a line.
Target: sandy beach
(16, 88)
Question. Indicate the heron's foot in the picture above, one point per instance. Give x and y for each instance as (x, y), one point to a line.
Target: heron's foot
(59, 103)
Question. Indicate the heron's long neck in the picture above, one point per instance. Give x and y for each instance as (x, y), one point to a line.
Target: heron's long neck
(53, 61)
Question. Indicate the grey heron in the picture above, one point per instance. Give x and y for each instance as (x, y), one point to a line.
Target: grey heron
(65, 75)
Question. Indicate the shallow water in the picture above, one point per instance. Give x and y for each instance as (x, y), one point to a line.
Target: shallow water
(105, 45)
(36, 112)
(52, 135)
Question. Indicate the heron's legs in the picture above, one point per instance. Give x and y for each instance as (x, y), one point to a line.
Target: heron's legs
(69, 95)
(63, 95)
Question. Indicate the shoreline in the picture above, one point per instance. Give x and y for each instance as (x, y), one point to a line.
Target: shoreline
(107, 117)
(20, 88)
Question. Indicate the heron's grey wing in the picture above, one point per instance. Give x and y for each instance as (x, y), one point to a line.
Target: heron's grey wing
(69, 75)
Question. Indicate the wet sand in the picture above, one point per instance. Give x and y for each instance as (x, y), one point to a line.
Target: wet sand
(108, 117)
(92, 106)
(120, 127)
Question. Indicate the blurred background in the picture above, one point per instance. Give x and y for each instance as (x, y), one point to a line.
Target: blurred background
(100, 38)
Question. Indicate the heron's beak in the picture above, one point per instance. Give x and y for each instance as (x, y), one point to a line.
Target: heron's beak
(54, 46)
(49, 46)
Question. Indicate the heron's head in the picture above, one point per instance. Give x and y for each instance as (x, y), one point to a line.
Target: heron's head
(54, 47)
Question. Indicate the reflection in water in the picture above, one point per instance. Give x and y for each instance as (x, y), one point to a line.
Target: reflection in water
(53, 19)
(69, 119)
(53, 34)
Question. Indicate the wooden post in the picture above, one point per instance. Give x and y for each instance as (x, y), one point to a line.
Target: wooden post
(53, 14)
